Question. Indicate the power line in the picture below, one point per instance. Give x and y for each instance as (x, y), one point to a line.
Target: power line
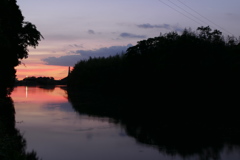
(192, 14)
(203, 16)
(179, 12)
(186, 11)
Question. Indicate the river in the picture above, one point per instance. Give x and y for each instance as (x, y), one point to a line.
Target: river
(55, 130)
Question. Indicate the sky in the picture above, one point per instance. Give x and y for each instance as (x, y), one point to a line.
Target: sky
(74, 30)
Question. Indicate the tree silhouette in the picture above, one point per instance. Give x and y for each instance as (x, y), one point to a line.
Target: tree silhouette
(170, 69)
(167, 91)
(15, 37)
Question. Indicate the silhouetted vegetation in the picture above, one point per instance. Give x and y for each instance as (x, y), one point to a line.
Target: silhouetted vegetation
(15, 37)
(12, 143)
(40, 81)
(37, 81)
(97, 72)
(192, 66)
(170, 90)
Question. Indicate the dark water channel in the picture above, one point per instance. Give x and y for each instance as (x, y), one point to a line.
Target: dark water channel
(56, 131)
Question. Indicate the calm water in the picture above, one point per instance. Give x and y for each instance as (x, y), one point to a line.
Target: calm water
(56, 131)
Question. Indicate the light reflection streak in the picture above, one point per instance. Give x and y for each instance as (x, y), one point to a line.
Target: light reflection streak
(38, 95)
(26, 91)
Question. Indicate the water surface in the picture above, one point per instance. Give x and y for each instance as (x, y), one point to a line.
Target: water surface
(55, 130)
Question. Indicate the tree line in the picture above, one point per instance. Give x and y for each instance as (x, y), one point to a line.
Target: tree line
(172, 76)
(178, 92)
(36, 81)
(198, 58)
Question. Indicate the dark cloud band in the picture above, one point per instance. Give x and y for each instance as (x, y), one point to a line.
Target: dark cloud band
(129, 35)
(71, 60)
(162, 26)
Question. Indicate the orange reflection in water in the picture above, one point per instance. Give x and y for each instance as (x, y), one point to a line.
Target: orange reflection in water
(38, 95)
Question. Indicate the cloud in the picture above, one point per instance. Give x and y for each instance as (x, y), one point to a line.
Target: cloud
(147, 25)
(62, 61)
(129, 35)
(91, 31)
(71, 60)
(164, 26)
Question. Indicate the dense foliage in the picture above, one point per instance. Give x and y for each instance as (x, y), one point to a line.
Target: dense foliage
(197, 70)
(178, 92)
(97, 72)
(15, 37)
(38, 81)
(169, 61)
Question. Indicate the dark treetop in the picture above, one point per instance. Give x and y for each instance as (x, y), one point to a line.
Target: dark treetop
(15, 36)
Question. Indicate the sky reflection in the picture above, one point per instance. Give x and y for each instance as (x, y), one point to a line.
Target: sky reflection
(55, 131)
(38, 95)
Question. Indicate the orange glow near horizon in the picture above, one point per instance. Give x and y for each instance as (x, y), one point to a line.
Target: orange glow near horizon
(41, 70)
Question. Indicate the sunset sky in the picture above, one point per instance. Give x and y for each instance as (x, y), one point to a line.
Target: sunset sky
(77, 29)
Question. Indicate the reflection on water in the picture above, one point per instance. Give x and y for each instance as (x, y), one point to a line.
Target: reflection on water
(12, 143)
(55, 130)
